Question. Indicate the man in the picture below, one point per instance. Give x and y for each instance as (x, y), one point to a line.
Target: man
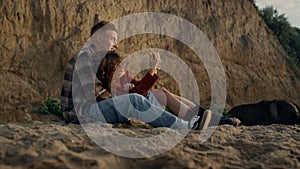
(78, 94)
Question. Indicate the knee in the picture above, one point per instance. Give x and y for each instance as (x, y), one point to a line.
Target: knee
(163, 89)
(138, 100)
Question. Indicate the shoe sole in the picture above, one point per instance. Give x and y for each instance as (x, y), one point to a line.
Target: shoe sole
(205, 120)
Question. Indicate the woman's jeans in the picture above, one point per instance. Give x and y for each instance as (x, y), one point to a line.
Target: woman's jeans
(120, 108)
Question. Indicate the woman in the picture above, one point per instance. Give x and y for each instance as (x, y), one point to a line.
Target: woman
(123, 83)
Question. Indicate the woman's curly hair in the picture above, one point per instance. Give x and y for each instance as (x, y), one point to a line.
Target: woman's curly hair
(107, 68)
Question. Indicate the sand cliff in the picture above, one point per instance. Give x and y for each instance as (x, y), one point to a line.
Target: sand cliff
(39, 37)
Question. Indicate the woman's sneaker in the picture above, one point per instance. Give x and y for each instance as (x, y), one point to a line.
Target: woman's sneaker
(200, 122)
(197, 110)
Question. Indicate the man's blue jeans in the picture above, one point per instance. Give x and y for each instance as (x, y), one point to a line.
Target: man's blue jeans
(120, 108)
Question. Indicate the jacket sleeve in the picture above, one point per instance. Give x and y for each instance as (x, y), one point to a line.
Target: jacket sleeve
(144, 85)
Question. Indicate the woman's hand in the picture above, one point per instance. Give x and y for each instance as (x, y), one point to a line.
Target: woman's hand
(128, 86)
(154, 62)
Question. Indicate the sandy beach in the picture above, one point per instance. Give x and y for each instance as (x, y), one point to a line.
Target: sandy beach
(40, 145)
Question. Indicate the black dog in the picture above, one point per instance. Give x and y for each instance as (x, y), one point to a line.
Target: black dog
(266, 113)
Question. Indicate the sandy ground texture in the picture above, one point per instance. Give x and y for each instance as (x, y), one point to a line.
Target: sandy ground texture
(44, 145)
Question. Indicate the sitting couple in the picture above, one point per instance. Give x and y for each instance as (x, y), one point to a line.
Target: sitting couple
(123, 97)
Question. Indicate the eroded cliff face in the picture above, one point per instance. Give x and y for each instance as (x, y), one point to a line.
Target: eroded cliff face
(38, 37)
